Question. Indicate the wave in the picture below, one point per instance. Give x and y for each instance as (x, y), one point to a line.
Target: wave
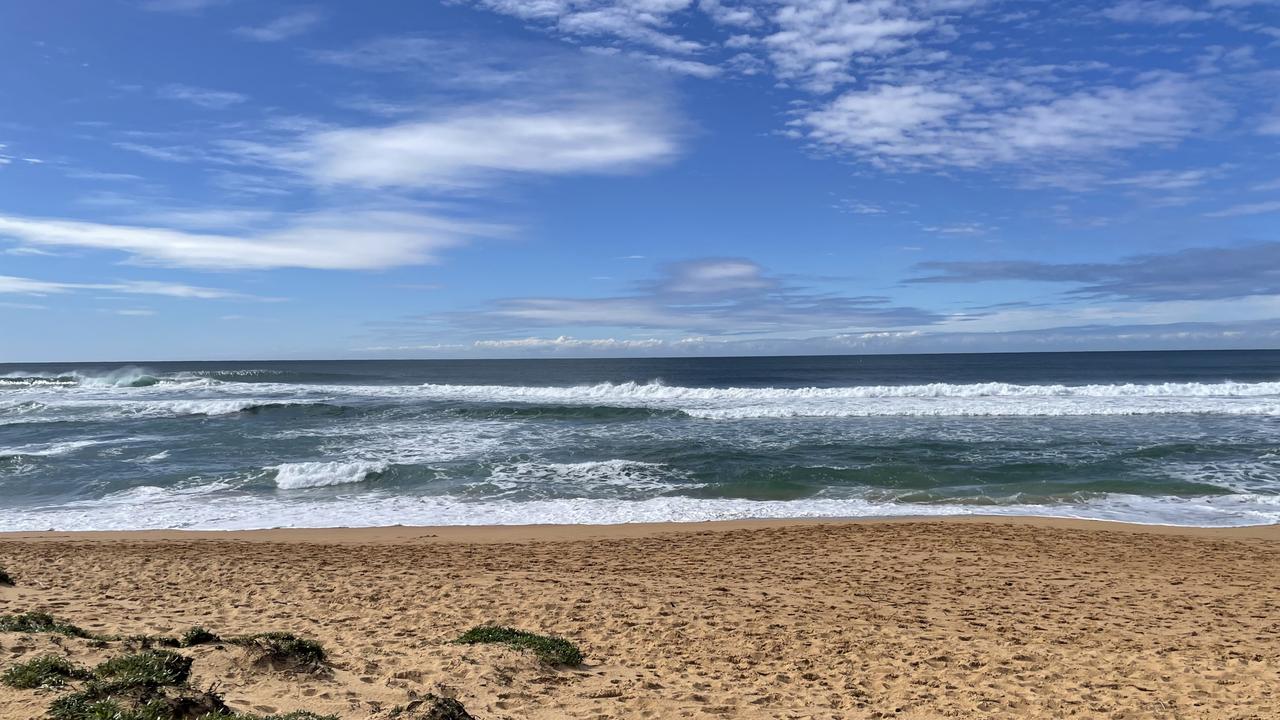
(125, 377)
(294, 476)
(933, 399)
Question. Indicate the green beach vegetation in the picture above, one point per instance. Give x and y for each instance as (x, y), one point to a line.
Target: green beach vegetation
(283, 648)
(38, 622)
(149, 683)
(549, 649)
(46, 671)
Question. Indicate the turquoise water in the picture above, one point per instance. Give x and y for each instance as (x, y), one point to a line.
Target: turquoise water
(1184, 438)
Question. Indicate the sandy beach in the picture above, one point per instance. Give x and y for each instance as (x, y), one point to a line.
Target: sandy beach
(908, 618)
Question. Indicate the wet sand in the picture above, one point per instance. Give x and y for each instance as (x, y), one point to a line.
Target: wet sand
(972, 617)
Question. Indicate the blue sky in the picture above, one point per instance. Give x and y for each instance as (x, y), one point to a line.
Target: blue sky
(206, 179)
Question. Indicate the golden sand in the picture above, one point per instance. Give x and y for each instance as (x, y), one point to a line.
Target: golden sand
(904, 619)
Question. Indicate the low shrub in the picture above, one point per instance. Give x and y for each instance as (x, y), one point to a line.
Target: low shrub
(283, 648)
(38, 622)
(6, 578)
(197, 636)
(46, 671)
(150, 668)
(551, 650)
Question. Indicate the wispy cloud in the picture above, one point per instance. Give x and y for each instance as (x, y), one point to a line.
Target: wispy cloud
(334, 240)
(1191, 274)
(1154, 11)
(203, 97)
(179, 6)
(282, 28)
(1258, 208)
(470, 145)
(719, 296)
(28, 286)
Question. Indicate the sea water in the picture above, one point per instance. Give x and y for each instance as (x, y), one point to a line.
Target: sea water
(1188, 438)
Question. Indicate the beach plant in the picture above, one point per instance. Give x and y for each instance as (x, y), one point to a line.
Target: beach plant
(551, 650)
(197, 636)
(38, 622)
(46, 671)
(283, 648)
(114, 701)
(431, 707)
(146, 642)
(147, 685)
(151, 668)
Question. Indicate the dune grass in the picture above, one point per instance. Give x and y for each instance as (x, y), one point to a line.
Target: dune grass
(551, 650)
(46, 671)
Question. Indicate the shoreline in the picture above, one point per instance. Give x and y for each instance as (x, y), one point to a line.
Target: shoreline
(393, 534)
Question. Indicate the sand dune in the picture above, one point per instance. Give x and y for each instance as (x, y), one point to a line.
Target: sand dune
(906, 619)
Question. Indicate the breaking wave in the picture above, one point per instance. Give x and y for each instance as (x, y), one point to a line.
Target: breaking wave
(293, 476)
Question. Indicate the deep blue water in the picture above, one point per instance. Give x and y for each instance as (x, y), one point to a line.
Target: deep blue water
(1169, 437)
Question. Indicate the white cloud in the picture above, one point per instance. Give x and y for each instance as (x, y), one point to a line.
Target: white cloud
(740, 15)
(916, 126)
(470, 146)
(336, 240)
(645, 22)
(27, 286)
(816, 40)
(203, 97)
(1154, 11)
(283, 27)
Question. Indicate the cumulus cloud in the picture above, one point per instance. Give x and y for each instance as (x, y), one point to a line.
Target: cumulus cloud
(1191, 274)
(816, 41)
(916, 126)
(334, 240)
(645, 22)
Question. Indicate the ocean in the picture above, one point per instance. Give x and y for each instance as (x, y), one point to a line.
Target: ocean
(1184, 438)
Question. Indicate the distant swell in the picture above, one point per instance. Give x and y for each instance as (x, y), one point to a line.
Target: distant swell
(934, 399)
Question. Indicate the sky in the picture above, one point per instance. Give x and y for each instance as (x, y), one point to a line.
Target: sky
(250, 179)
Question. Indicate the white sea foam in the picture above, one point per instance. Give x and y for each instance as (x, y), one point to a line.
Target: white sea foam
(153, 508)
(629, 476)
(292, 476)
(53, 449)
